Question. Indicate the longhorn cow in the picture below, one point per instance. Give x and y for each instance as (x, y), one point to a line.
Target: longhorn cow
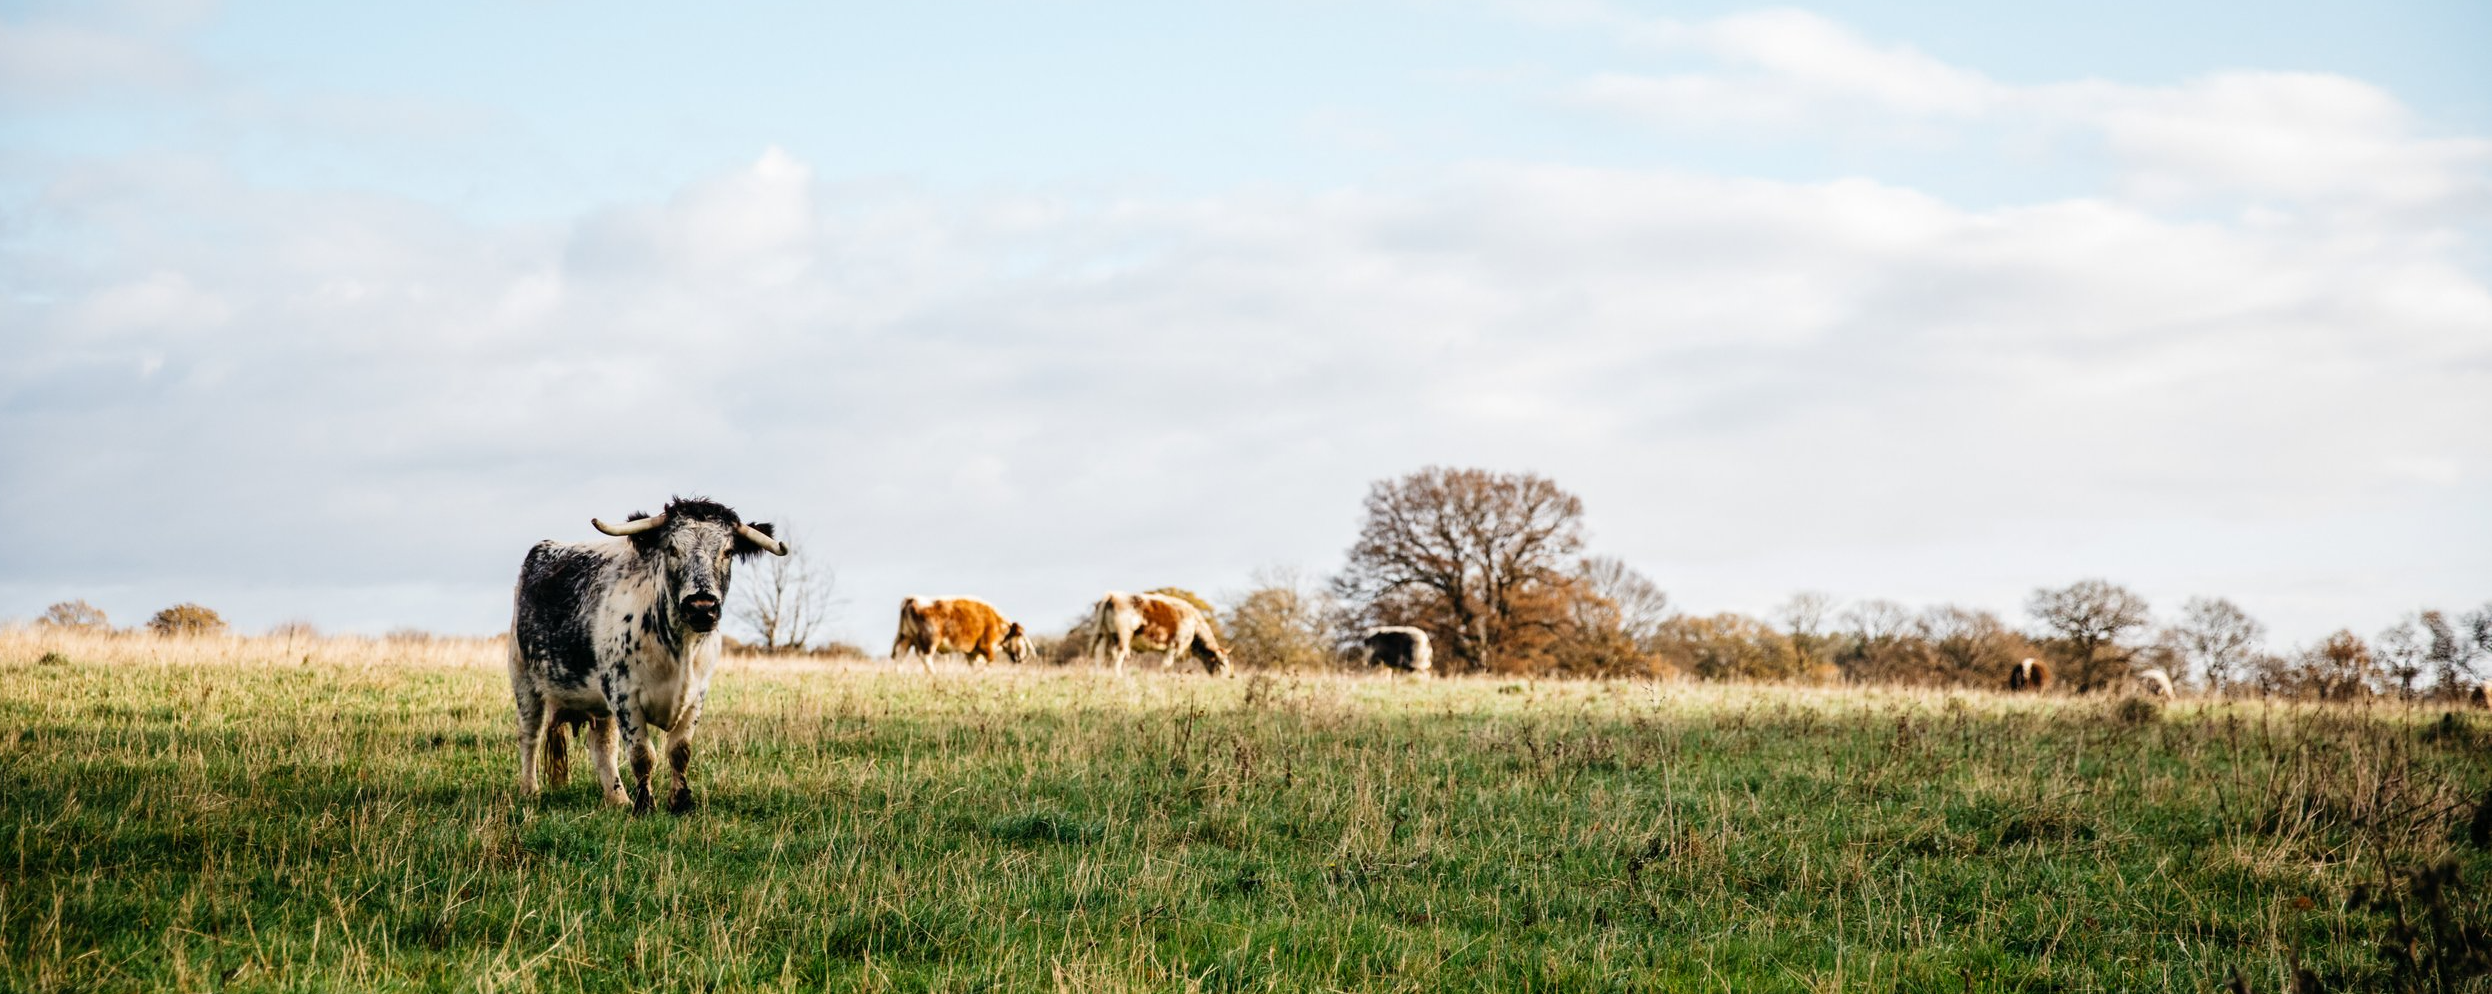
(622, 635)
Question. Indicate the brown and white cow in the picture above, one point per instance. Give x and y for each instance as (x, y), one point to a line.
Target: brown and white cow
(966, 625)
(1121, 619)
(2031, 674)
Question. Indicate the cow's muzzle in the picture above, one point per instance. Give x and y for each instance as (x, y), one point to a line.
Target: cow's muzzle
(701, 612)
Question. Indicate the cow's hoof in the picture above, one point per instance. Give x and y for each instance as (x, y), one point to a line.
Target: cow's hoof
(681, 803)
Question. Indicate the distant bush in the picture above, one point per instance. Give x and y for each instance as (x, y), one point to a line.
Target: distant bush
(186, 619)
(408, 635)
(1728, 647)
(75, 615)
(1280, 627)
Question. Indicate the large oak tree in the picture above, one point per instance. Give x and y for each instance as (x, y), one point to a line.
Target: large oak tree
(1482, 560)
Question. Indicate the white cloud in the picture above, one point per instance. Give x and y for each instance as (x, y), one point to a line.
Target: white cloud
(1042, 396)
(2293, 138)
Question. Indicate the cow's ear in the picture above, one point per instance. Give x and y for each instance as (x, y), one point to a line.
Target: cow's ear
(744, 546)
(644, 542)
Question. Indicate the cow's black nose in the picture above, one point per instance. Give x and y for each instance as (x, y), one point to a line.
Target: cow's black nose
(702, 611)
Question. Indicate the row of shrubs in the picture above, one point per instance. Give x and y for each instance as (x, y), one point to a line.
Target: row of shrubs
(1287, 625)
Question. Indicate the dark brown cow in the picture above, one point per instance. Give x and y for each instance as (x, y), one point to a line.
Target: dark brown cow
(966, 625)
(2032, 674)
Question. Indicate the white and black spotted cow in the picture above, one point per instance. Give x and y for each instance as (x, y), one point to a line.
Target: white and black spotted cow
(1397, 647)
(623, 635)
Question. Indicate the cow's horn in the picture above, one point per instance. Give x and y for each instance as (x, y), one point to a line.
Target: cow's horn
(768, 544)
(628, 527)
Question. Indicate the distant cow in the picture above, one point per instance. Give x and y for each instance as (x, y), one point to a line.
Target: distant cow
(1121, 619)
(2154, 683)
(623, 635)
(966, 625)
(1398, 647)
(2481, 696)
(2031, 674)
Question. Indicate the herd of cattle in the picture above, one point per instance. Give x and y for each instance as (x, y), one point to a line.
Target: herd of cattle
(620, 636)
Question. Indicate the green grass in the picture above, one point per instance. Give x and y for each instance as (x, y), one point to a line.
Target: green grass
(262, 822)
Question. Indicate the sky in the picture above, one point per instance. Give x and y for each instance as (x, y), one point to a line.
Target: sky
(327, 312)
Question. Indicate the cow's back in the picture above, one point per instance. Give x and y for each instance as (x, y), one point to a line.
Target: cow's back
(553, 609)
(964, 624)
(1162, 618)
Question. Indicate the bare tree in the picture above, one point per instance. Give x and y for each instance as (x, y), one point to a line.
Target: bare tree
(2400, 652)
(2218, 639)
(2340, 667)
(1804, 617)
(1641, 605)
(2454, 649)
(1879, 645)
(78, 615)
(1969, 646)
(1806, 613)
(784, 599)
(2092, 620)
(1470, 555)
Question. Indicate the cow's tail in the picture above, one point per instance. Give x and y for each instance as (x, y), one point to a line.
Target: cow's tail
(1102, 627)
(912, 622)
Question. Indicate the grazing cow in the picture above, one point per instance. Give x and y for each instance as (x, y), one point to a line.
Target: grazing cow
(2154, 683)
(1398, 647)
(2031, 674)
(2481, 696)
(965, 625)
(1121, 619)
(623, 635)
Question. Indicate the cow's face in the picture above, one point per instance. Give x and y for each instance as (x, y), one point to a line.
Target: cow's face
(693, 545)
(699, 558)
(1017, 644)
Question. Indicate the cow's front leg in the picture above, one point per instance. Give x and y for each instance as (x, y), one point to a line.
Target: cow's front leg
(636, 745)
(679, 759)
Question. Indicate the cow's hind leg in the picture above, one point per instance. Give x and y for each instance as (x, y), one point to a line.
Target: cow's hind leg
(601, 757)
(533, 715)
(557, 752)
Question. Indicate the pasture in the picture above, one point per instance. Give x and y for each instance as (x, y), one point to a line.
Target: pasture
(258, 814)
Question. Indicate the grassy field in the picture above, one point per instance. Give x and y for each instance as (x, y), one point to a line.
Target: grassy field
(340, 815)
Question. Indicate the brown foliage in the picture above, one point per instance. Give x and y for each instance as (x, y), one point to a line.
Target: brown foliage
(186, 619)
(1729, 646)
(1280, 626)
(77, 615)
(1478, 559)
